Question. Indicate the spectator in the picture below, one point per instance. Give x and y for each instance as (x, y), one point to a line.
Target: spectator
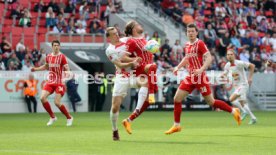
(20, 44)
(13, 62)
(221, 28)
(261, 16)
(16, 13)
(263, 26)
(70, 8)
(60, 20)
(109, 9)
(40, 7)
(35, 56)
(42, 59)
(224, 44)
(166, 47)
(80, 29)
(71, 29)
(190, 9)
(83, 8)
(244, 55)
(247, 40)
(58, 29)
(255, 58)
(72, 91)
(95, 29)
(28, 58)
(222, 94)
(30, 91)
(167, 6)
(156, 37)
(27, 66)
(20, 54)
(220, 10)
(241, 30)
(118, 6)
(176, 48)
(273, 41)
(53, 5)
(187, 18)
(82, 21)
(50, 18)
(2, 64)
(210, 36)
(5, 45)
(177, 13)
(146, 36)
(25, 20)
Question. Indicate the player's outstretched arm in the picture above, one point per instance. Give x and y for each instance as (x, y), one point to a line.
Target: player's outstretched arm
(251, 72)
(121, 65)
(41, 68)
(207, 62)
(183, 63)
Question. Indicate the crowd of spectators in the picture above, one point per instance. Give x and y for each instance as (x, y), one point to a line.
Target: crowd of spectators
(65, 16)
(247, 26)
(68, 16)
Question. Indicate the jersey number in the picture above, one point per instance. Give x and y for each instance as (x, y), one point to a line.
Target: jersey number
(203, 89)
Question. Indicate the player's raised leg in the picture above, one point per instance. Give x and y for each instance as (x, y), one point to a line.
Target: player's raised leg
(178, 98)
(142, 104)
(63, 109)
(47, 106)
(223, 106)
(150, 69)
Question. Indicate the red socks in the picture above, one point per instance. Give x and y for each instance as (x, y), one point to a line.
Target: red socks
(177, 111)
(47, 107)
(152, 79)
(137, 112)
(63, 109)
(222, 105)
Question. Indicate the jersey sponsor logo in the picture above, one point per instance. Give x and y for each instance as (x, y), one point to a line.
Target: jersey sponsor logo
(54, 65)
(191, 55)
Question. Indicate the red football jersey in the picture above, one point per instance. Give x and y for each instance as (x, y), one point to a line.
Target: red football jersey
(136, 47)
(194, 54)
(56, 66)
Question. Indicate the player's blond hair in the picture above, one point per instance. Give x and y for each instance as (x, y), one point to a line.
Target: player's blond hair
(129, 27)
(107, 34)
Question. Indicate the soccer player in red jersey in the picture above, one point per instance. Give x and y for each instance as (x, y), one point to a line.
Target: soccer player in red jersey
(57, 65)
(135, 45)
(198, 58)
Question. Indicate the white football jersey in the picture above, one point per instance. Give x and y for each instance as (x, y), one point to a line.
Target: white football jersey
(237, 71)
(116, 53)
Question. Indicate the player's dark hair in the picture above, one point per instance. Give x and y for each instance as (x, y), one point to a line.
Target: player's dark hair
(192, 25)
(55, 41)
(129, 27)
(108, 30)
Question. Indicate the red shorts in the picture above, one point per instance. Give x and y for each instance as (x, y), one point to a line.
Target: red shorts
(53, 87)
(140, 70)
(200, 83)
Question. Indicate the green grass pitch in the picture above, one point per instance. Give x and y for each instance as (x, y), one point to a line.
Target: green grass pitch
(214, 133)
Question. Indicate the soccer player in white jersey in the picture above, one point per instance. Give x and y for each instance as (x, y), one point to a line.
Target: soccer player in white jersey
(236, 69)
(116, 53)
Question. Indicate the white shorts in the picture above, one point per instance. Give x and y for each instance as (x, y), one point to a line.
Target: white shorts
(122, 84)
(241, 91)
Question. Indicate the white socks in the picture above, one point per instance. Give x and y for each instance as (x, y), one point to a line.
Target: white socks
(142, 96)
(247, 109)
(238, 105)
(114, 118)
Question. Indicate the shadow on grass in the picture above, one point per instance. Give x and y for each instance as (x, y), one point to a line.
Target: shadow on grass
(168, 142)
(240, 135)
